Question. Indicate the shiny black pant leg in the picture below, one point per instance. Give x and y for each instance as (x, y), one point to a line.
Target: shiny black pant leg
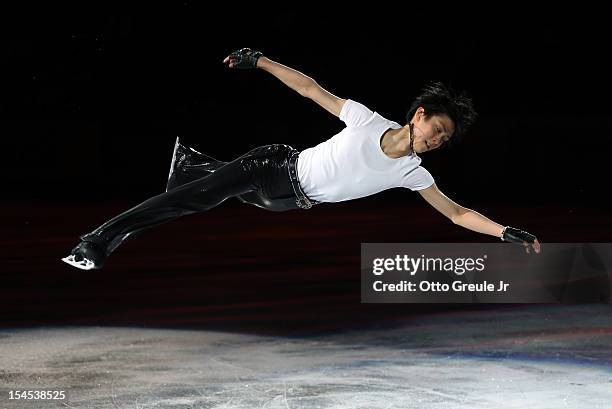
(198, 195)
(197, 167)
(193, 165)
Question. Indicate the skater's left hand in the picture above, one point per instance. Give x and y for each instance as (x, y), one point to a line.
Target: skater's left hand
(528, 240)
(245, 58)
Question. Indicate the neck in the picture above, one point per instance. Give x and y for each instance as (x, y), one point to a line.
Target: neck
(396, 143)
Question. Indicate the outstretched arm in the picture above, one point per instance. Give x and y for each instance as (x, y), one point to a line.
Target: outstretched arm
(297, 81)
(475, 221)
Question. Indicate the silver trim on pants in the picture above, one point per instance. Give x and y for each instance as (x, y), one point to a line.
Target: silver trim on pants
(301, 199)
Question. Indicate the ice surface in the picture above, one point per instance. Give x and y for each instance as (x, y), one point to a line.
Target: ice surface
(528, 356)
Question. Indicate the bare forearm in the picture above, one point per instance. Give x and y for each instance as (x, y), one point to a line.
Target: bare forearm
(473, 220)
(292, 78)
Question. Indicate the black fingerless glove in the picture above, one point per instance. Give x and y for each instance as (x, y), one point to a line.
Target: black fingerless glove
(245, 58)
(515, 235)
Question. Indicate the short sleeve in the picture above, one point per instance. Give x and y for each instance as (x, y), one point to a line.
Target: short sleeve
(418, 179)
(355, 114)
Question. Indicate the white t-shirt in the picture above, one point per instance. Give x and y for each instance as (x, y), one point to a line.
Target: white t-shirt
(352, 164)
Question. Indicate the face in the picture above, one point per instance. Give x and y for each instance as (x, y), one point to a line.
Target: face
(431, 131)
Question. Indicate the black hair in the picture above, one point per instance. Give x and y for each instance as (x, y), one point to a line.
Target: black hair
(438, 98)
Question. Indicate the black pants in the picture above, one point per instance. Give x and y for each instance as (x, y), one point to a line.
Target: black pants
(259, 177)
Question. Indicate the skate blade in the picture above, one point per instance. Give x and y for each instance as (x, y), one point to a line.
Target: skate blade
(176, 145)
(84, 264)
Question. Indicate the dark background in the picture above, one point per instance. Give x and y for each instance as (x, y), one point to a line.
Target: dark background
(94, 96)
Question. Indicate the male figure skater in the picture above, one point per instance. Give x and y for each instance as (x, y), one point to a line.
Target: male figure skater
(370, 155)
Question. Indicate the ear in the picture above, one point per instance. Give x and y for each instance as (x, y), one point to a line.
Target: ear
(420, 112)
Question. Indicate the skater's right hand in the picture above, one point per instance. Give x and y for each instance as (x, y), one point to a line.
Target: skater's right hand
(245, 58)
